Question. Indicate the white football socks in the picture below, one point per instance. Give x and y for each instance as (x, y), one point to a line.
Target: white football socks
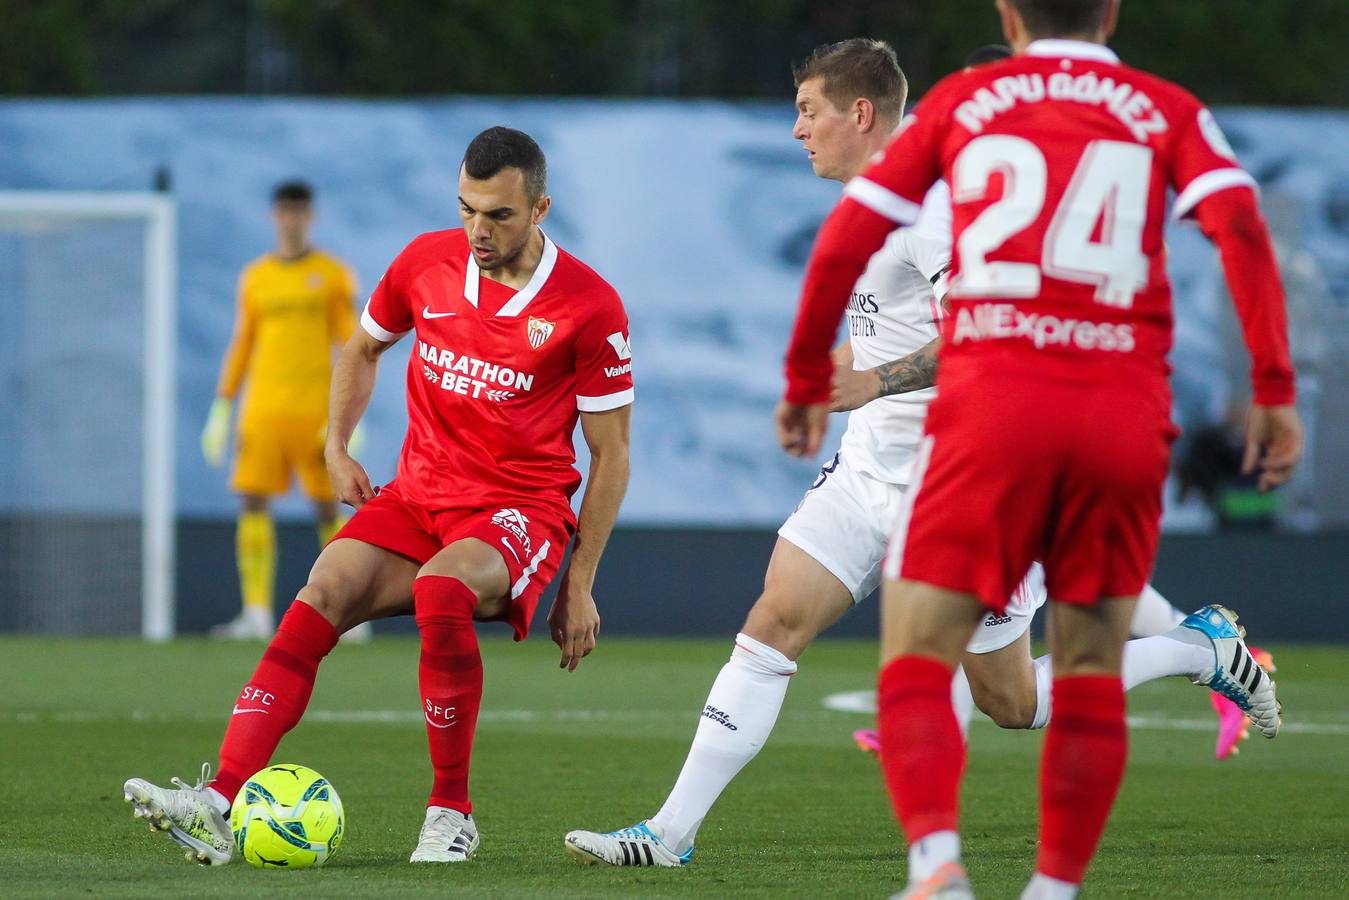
(1154, 614)
(1044, 691)
(1150, 658)
(962, 700)
(1145, 659)
(735, 723)
(931, 852)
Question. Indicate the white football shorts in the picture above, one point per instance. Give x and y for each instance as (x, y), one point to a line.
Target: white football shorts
(843, 523)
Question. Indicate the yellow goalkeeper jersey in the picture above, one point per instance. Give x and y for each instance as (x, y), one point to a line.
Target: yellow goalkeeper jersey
(291, 314)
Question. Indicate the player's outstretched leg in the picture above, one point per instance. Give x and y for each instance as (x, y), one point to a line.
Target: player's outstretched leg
(351, 582)
(1177, 651)
(196, 817)
(739, 715)
(269, 706)
(1155, 616)
(801, 598)
(1233, 670)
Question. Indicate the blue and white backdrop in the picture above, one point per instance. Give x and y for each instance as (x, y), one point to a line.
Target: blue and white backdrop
(700, 213)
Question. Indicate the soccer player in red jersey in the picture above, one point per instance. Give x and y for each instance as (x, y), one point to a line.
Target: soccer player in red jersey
(1050, 434)
(515, 340)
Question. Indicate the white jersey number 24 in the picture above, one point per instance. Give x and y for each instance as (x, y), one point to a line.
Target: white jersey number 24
(1110, 187)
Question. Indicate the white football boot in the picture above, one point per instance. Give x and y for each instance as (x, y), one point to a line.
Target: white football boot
(1235, 673)
(252, 624)
(949, 882)
(447, 836)
(188, 814)
(358, 634)
(637, 845)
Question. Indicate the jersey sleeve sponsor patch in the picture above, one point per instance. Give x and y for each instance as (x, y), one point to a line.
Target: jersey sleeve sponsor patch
(604, 361)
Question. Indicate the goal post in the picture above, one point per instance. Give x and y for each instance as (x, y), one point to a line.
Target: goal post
(77, 266)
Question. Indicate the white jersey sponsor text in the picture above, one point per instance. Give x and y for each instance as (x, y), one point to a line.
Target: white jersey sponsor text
(894, 311)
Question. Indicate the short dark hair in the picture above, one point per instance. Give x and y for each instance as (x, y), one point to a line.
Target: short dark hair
(1061, 18)
(293, 191)
(988, 53)
(500, 148)
(858, 67)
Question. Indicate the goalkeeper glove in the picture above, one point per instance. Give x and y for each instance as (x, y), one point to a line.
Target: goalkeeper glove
(216, 434)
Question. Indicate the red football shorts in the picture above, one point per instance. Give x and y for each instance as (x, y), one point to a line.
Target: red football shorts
(1015, 470)
(530, 540)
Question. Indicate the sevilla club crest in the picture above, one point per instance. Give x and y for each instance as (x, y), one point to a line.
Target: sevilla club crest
(540, 330)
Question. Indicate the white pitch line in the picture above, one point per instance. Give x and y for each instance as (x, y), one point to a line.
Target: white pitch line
(346, 716)
(864, 702)
(859, 702)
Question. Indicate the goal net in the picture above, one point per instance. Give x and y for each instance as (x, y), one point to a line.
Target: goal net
(86, 413)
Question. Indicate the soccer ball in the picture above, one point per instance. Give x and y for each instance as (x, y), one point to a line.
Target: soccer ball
(287, 817)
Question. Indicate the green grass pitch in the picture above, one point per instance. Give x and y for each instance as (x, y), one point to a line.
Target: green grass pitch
(598, 749)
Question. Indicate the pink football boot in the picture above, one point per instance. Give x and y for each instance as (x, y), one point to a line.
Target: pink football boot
(868, 740)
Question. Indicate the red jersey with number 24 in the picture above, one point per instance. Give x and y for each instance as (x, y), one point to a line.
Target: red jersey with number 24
(1059, 161)
(498, 377)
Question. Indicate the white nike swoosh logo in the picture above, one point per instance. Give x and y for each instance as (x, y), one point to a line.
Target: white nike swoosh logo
(507, 544)
(427, 314)
(433, 724)
(240, 712)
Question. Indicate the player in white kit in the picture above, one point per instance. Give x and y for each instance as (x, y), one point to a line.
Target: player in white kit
(828, 557)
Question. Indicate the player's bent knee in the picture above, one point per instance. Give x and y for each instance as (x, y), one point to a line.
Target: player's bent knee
(328, 600)
(478, 566)
(782, 623)
(1007, 708)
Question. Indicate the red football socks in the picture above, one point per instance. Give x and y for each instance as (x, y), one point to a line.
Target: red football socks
(922, 751)
(1080, 772)
(450, 675)
(275, 697)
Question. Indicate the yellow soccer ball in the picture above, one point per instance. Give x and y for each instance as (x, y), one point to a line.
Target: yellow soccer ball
(287, 817)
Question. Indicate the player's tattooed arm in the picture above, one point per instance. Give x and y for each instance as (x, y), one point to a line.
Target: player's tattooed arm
(914, 372)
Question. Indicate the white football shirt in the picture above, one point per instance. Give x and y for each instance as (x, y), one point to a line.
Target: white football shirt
(895, 310)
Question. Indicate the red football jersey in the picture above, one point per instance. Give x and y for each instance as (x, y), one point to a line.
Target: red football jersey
(498, 377)
(1059, 161)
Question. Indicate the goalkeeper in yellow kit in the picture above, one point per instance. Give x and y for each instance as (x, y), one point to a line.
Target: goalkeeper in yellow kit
(294, 308)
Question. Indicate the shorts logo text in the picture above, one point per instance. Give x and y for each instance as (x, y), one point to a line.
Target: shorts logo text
(516, 523)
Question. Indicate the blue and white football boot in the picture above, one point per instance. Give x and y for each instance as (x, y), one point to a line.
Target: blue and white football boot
(634, 846)
(1235, 673)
